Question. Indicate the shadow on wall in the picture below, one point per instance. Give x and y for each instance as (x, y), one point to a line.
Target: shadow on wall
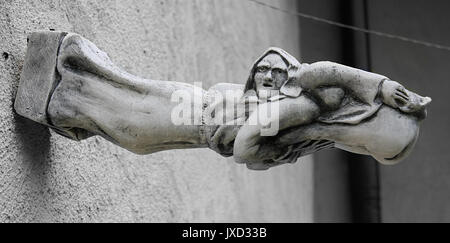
(27, 190)
(33, 150)
(33, 159)
(33, 138)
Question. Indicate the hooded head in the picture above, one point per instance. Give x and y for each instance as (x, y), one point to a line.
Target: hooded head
(273, 70)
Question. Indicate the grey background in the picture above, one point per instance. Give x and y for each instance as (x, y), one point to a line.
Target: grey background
(416, 190)
(419, 189)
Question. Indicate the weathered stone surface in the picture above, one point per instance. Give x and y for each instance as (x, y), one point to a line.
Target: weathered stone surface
(311, 106)
(39, 76)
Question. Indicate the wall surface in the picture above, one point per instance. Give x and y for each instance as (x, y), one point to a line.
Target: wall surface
(45, 177)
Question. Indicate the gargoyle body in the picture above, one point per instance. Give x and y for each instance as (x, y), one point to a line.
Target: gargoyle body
(73, 87)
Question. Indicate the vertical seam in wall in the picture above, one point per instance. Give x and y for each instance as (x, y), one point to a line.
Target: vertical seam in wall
(363, 171)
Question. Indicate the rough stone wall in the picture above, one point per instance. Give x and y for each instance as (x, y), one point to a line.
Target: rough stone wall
(45, 177)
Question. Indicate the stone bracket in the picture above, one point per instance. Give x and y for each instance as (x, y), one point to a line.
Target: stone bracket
(39, 78)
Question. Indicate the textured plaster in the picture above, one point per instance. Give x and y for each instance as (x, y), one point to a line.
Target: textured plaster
(45, 177)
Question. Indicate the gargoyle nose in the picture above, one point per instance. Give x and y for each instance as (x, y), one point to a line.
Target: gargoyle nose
(268, 76)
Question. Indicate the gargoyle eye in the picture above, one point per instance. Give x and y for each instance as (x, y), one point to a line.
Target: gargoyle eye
(279, 71)
(262, 69)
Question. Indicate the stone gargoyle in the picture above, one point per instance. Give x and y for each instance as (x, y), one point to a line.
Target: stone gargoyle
(285, 111)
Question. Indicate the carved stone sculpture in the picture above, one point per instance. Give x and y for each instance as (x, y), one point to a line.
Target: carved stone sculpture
(285, 111)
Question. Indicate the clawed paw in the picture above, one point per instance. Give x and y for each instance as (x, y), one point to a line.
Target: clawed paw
(401, 96)
(396, 96)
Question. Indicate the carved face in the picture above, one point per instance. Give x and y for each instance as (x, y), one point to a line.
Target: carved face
(271, 73)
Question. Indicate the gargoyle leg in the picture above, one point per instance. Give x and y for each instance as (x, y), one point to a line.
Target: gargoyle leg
(94, 97)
